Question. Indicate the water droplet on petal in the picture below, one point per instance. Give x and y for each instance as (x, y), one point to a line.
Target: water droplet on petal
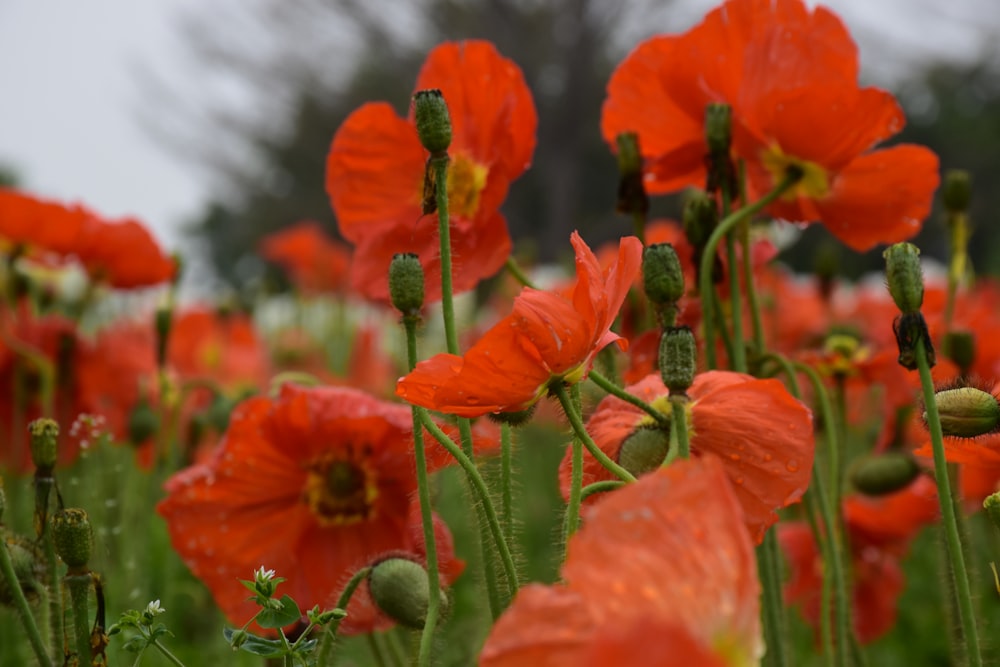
(792, 466)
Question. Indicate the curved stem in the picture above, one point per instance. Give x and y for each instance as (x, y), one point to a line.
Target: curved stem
(705, 275)
(601, 487)
(519, 275)
(167, 654)
(330, 635)
(21, 604)
(576, 422)
(955, 555)
(613, 389)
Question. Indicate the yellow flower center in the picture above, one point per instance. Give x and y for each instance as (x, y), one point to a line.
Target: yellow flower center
(466, 180)
(340, 492)
(842, 355)
(814, 184)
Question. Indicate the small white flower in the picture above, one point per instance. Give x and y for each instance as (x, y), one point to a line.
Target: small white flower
(154, 608)
(263, 576)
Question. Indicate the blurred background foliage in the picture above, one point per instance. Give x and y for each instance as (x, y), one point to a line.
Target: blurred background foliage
(301, 68)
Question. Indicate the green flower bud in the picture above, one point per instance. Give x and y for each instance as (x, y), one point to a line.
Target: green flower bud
(662, 276)
(73, 538)
(904, 276)
(163, 323)
(967, 412)
(884, 473)
(718, 128)
(406, 283)
(644, 450)
(143, 422)
(28, 565)
(513, 417)
(629, 156)
(44, 444)
(433, 121)
(700, 217)
(956, 191)
(678, 359)
(960, 347)
(992, 507)
(398, 587)
(632, 197)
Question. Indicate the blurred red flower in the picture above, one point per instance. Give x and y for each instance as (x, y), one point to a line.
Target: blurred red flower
(763, 437)
(548, 336)
(315, 484)
(666, 557)
(375, 172)
(879, 532)
(315, 263)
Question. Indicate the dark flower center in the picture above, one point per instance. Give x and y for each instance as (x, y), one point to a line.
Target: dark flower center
(340, 491)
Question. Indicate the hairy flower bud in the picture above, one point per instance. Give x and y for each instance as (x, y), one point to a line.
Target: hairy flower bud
(904, 276)
(28, 564)
(406, 283)
(632, 197)
(956, 191)
(644, 450)
(884, 473)
(398, 587)
(967, 412)
(433, 120)
(700, 217)
(992, 506)
(662, 277)
(73, 538)
(44, 444)
(718, 128)
(960, 348)
(143, 422)
(678, 359)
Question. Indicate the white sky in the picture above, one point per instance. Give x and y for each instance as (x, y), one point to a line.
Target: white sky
(69, 120)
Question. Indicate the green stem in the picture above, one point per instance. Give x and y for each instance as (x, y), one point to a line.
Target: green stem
(426, 515)
(330, 635)
(21, 604)
(613, 389)
(506, 493)
(707, 255)
(373, 646)
(600, 487)
(79, 590)
(639, 225)
(679, 424)
(580, 430)
(831, 518)
(769, 568)
(955, 555)
(167, 654)
(519, 275)
(472, 473)
(575, 490)
(440, 165)
(739, 360)
(786, 366)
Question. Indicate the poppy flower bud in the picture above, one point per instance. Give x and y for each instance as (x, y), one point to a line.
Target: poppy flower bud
(433, 120)
(44, 444)
(27, 563)
(163, 322)
(73, 538)
(678, 359)
(143, 422)
(644, 450)
(967, 412)
(629, 157)
(700, 217)
(398, 587)
(513, 417)
(960, 347)
(662, 277)
(904, 276)
(406, 283)
(957, 191)
(992, 506)
(718, 128)
(632, 197)
(885, 473)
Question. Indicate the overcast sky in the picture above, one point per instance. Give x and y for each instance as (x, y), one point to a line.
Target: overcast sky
(69, 121)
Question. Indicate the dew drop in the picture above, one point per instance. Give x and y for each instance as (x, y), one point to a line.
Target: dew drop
(792, 466)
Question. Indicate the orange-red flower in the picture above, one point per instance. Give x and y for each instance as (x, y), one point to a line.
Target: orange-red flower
(375, 172)
(879, 532)
(315, 263)
(790, 76)
(762, 435)
(315, 484)
(667, 558)
(548, 336)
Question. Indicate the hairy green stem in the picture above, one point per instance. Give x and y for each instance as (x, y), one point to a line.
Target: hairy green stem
(950, 523)
(613, 389)
(440, 165)
(769, 568)
(79, 590)
(506, 492)
(330, 634)
(580, 430)
(680, 426)
(21, 605)
(601, 487)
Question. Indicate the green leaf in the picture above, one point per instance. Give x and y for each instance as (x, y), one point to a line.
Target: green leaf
(280, 616)
(265, 648)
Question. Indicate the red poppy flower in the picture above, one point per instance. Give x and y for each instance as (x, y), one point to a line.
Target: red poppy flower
(375, 172)
(220, 348)
(762, 435)
(683, 568)
(879, 531)
(548, 336)
(123, 254)
(315, 484)
(314, 262)
(42, 227)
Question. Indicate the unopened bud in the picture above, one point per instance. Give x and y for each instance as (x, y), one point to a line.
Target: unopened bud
(884, 473)
(632, 197)
(700, 217)
(644, 450)
(629, 156)
(960, 348)
(956, 191)
(992, 507)
(143, 422)
(967, 412)
(678, 359)
(27, 563)
(718, 128)
(73, 538)
(44, 444)
(904, 276)
(406, 283)
(163, 322)
(662, 276)
(398, 587)
(513, 417)
(433, 120)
